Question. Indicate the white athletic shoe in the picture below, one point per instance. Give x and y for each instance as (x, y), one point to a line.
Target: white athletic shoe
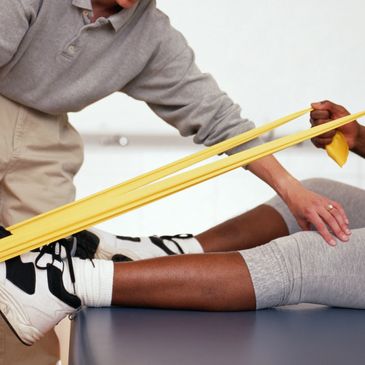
(33, 298)
(122, 248)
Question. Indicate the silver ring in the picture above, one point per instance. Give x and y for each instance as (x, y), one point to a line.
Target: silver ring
(329, 207)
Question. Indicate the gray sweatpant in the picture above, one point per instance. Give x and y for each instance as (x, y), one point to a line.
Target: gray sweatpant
(303, 268)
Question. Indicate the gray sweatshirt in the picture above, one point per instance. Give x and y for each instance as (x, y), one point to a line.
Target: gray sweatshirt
(53, 59)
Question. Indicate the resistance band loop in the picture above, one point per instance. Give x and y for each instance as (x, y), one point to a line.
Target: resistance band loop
(338, 149)
(87, 212)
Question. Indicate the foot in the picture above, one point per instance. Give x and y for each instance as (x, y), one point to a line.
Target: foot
(122, 248)
(33, 298)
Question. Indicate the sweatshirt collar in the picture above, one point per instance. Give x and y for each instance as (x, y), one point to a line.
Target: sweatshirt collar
(83, 4)
(117, 20)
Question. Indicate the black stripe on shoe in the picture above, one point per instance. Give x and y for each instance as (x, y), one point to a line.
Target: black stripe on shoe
(126, 238)
(178, 247)
(56, 287)
(182, 236)
(160, 244)
(121, 258)
(21, 274)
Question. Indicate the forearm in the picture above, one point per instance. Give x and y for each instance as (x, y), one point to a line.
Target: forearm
(269, 170)
(359, 147)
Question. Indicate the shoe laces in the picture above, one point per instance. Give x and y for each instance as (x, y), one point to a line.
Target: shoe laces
(54, 249)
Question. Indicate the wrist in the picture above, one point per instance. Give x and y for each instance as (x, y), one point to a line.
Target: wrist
(269, 170)
(359, 143)
(284, 186)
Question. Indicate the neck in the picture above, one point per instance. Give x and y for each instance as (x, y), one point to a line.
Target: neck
(104, 9)
(106, 5)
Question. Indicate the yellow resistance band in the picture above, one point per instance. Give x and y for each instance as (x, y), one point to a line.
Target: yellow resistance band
(338, 150)
(178, 165)
(337, 154)
(84, 213)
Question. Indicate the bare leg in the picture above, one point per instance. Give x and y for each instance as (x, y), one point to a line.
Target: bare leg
(215, 281)
(211, 281)
(253, 228)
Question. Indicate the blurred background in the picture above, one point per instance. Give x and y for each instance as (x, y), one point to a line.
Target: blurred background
(271, 57)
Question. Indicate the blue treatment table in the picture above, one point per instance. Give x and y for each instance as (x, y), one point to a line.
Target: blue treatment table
(303, 334)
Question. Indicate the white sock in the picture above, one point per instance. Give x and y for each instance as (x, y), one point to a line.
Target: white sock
(94, 285)
(138, 248)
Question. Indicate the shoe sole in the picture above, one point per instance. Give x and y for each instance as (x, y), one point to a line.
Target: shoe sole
(13, 330)
(15, 319)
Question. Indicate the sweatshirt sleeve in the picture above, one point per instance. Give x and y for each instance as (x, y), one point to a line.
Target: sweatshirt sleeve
(186, 98)
(16, 17)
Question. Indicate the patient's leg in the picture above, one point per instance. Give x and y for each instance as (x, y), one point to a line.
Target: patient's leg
(253, 228)
(299, 268)
(215, 281)
(293, 269)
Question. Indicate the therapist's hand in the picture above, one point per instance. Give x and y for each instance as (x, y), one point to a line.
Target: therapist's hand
(308, 208)
(313, 210)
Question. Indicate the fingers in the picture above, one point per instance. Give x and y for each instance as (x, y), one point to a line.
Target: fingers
(320, 142)
(320, 114)
(322, 229)
(342, 213)
(324, 139)
(323, 113)
(331, 218)
(329, 106)
(335, 111)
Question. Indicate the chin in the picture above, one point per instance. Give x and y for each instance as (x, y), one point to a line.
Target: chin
(126, 4)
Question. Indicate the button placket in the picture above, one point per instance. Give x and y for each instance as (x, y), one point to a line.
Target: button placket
(87, 15)
(71, 49)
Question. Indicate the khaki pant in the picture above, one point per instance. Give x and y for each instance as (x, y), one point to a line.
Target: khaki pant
(39, 156)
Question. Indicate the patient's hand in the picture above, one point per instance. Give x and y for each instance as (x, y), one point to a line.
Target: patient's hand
(326, 111)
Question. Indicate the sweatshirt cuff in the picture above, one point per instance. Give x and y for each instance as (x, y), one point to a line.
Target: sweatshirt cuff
(245, 146)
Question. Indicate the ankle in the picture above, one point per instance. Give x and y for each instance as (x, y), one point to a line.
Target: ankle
(94, 282)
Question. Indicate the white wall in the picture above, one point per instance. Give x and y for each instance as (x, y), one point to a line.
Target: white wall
(272, 57)
(276, 56)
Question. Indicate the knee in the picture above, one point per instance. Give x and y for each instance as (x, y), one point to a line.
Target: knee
(326, 275)
(317, 183)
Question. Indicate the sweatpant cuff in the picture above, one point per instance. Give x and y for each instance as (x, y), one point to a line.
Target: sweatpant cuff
(267, 275)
